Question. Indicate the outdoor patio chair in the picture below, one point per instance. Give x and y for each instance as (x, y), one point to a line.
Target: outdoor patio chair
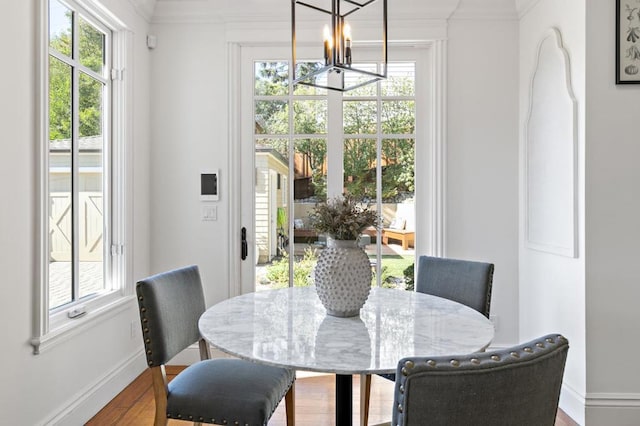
(219, 391)
(515, 386)
(462, 281)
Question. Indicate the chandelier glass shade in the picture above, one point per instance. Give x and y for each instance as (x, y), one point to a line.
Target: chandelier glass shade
(328, 26)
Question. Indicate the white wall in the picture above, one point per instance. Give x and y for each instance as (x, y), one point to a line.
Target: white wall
(482, 157)
(612, 229)
(189, 134)
(190, 131)
(69, 382)
(552, 286)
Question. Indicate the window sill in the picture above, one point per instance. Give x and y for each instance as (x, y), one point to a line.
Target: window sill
(71, 328)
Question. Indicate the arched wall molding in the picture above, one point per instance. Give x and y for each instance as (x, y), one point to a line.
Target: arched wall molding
(550, 152)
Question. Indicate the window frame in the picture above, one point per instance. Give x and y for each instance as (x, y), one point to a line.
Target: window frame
(51, 325)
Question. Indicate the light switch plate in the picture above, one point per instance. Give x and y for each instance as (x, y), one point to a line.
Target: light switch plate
(209, 213)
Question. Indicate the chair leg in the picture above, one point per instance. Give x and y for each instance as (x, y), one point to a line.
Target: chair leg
(289, 400)
(159, 379)
(365, 396)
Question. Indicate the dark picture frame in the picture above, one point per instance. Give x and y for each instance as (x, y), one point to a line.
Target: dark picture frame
(627, 41)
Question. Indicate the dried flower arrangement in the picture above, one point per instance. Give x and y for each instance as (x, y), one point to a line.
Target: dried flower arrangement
(343, 218)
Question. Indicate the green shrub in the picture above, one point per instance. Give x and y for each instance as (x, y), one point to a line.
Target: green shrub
(409, 278)
(278, 271)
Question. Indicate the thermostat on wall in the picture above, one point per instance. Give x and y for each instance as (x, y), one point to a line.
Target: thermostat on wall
(209, 186)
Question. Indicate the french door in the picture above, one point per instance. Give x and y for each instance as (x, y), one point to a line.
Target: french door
(301, 146)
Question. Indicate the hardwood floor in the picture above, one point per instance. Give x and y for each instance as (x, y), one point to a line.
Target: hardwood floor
(314, 403)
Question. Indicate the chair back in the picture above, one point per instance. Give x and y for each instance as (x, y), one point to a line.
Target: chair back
(462, 281)
(517, 386)
(170, 305)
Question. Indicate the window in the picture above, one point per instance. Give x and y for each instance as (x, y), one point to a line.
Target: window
(82, 168)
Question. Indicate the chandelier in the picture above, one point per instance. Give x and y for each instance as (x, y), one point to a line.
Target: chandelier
(336, 70)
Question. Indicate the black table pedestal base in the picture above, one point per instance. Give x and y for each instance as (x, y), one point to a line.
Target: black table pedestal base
(344, 400)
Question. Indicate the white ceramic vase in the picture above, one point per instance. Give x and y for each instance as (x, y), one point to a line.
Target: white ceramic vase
(343, 278)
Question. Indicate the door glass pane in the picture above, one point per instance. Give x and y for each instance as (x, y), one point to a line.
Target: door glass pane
(272, 117)
(400, 80)
(398, 211)
(353, 78)
(310, 117)
(359, 117)
(310, 187)
(91, 46)
(398, 176)
(398, 117)
(271, 212)
(359, 161)
(60, 28)
(305, 68)
(60, 205)
(90, 190)
(271, 78)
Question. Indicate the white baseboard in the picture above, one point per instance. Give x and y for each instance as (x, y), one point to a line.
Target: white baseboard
(572, 403)
(613, 409)
(88, 401)
(597, 409)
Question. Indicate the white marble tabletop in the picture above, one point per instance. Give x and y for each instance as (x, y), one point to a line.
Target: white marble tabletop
(290, 328)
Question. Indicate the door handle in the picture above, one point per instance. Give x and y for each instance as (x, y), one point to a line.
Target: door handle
(244, 247)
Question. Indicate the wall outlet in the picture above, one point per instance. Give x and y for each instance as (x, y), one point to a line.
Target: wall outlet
(494, 320)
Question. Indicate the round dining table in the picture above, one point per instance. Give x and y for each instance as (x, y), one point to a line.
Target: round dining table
(290, 328)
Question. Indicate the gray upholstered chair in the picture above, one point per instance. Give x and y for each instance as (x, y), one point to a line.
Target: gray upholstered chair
(462, 281)
(219, 391)
(516, 386)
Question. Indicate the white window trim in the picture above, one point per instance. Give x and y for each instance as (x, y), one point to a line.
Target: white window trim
(47, 330)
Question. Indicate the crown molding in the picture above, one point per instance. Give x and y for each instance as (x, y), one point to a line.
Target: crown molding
(485, 10)
(524, 6)
(263, 11)
(204, 11)
(144, 8)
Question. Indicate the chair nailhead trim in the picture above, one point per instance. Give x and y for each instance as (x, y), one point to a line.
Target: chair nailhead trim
(431, 363)
(515, 354)
(455, 362)
(495, 357)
